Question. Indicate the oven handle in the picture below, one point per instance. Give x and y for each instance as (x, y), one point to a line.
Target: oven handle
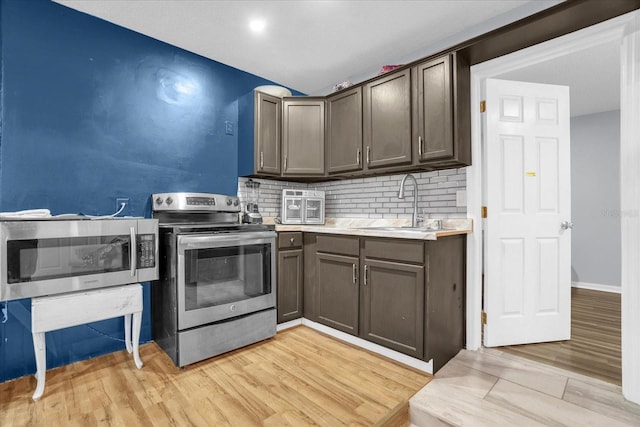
(200, 241)
(134, 250)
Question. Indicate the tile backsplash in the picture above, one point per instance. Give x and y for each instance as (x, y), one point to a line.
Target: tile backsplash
(374, 197)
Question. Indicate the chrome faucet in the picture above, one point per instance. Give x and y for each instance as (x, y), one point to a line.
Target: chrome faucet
(414, 217)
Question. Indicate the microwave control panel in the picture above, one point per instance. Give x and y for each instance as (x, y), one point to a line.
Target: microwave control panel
(146, 250)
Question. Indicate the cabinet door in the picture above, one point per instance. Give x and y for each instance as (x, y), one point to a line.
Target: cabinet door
(267, 128)
(303, 136)
(289, 290)
(435, 109)
(344, 131)
(393, 305)
(387, 120)
(337, 292)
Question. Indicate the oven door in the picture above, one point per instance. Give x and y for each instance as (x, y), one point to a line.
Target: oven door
(221, 276)
(292, 209)
(314, 210)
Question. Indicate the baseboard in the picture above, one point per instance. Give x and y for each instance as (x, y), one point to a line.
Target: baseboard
(597, 287)
(289, 324)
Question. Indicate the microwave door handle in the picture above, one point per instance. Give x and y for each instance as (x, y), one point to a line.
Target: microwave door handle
(133, 251)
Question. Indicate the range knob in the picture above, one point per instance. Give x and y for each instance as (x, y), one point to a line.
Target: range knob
(235, 202)
(169, 200)
(159, 200)
(229, 202)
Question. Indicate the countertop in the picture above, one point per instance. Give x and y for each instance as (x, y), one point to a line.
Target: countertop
(361, 227)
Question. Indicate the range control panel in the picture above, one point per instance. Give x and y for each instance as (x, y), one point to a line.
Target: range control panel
(195, 202)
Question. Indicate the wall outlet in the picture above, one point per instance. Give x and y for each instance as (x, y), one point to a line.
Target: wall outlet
(461, 198)
(119, 202)
(228, 127)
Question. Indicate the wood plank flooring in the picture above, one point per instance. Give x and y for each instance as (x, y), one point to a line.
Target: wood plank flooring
(300, 377)
(493, 388)
(594, 348)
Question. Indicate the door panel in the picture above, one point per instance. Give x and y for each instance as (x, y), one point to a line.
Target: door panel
(338, 292)
(528, 196)
(268, 113)
(387, 120)
(393, 305)
(344, 131)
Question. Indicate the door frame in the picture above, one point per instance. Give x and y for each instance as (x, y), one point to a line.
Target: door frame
(627, 28)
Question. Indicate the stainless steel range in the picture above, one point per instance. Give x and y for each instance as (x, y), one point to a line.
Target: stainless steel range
(216, 290)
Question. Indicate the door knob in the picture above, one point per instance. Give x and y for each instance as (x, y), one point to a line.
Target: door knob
(566, 225)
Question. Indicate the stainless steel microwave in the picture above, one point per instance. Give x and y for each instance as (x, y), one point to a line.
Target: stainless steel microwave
(53, 256)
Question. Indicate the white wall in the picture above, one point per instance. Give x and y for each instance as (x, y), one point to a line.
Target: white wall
(595, 199)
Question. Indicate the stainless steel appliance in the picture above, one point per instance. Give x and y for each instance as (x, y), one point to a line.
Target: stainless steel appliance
(51, 255)
(216, 290)
(302, 206)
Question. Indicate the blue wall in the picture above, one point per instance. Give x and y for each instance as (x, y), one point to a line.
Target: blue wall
(89, 112)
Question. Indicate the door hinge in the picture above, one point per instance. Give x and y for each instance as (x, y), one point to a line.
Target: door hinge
(483, 106)
(484, 317)
(483, 213)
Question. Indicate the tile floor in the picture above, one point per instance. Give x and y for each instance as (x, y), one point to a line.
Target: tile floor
(493, 388)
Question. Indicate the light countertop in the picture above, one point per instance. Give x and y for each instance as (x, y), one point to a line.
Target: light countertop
(363, 227)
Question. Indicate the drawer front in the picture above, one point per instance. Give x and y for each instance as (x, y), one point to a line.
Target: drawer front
(335, 244)
(290, 240)
(394, 249)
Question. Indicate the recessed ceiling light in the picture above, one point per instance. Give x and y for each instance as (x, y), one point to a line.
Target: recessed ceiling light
(257, 25)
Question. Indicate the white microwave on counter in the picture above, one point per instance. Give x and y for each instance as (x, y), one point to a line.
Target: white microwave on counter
(302, 206)
(52, 256)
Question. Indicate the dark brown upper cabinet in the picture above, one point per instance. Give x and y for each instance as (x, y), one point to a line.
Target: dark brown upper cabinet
(387, 120)
(259, 134)
(344, 131)
(441, 123)
(303, 136)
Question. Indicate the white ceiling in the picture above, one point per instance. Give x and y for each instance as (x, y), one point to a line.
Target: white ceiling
(311, 45)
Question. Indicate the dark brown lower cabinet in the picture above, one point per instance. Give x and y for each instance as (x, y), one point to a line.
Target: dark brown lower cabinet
(445, 323)
(337, 292)
(406, 295)
(392, 305)
(289, 290)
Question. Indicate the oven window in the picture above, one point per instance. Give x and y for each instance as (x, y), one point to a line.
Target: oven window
(44, 259)
(314, 210)
(215, 276)
(293, 209)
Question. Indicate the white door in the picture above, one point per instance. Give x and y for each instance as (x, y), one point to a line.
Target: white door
(527, 254)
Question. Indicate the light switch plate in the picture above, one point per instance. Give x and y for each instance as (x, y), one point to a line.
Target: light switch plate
(461, 198)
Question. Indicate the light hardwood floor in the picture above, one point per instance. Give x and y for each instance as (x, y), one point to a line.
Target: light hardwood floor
(300, 377)
(594, 348)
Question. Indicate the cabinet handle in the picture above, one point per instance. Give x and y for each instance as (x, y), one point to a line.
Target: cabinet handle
(355, 274)
(292, 240)
(261, 160)
(366, 270)
(368, 155)
(419, 146)
(358, 154)
(285, 162)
